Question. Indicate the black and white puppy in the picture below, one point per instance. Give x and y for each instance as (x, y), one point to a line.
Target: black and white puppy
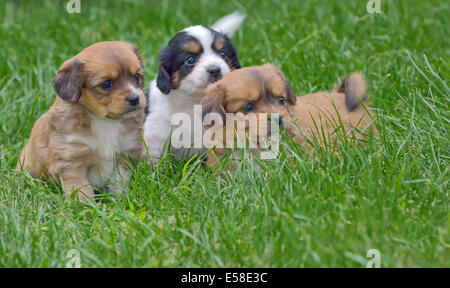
(193, 58)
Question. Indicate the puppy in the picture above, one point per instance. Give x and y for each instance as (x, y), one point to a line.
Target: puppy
(319, 115)
(193, 58)
(265, 89)
(97, 115)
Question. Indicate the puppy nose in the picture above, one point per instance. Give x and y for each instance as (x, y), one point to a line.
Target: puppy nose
(133, 99)
(281, 122)
(214, 71)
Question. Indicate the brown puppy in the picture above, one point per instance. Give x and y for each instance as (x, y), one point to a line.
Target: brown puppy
(94, 123)
(319, 115)
(265, 89)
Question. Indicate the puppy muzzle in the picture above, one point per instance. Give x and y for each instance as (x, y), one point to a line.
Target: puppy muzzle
(133, 100)
(214, 74)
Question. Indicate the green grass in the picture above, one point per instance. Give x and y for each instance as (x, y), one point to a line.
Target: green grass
(318, 210)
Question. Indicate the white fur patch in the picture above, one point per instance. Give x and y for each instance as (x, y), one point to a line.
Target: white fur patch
(203, 35)
(229, 23)
(109, 137)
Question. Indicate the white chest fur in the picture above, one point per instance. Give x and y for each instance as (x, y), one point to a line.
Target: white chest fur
(110, 136)
(158, 127)
(107, 139)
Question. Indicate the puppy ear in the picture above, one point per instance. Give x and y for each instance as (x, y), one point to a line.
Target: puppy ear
(355, 89)
(229, 23)
(213, 100)
(163, 80)
(68, 81)
(137, 51)
(290, 94)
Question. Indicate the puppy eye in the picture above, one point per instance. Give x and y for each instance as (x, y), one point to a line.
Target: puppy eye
(248, 107)
(222, 54)
(281, 100)
(190, 60)
(107, 85)
(138, 78)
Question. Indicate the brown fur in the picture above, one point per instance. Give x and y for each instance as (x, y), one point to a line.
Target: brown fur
(175, 79)
(319, 114)
(263, 85)
(218, 43)
(192, 47)
(50, 153)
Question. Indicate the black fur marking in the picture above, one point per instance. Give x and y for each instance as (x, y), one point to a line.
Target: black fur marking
(163, 79)
(231, 56)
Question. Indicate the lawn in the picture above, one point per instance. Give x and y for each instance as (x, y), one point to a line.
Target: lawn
(319, 210)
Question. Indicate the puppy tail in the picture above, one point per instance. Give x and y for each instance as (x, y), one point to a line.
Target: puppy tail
(229, 23)
(355, 89)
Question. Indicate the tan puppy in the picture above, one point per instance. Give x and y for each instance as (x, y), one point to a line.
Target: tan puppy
(94, 123)
(324, 116)
(265, 89)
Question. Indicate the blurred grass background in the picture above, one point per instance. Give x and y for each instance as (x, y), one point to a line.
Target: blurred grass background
(324, 210)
